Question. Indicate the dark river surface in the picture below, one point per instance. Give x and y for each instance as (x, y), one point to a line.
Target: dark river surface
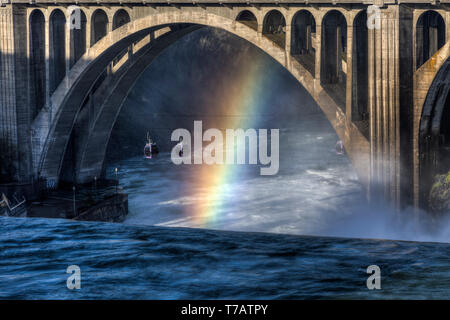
(294, 235)
(226, 232)
(134, 262)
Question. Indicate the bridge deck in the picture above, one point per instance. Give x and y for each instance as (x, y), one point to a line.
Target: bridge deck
(222, 2)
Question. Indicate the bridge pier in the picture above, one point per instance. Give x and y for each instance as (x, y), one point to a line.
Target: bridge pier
(15, 154)
(384, 108)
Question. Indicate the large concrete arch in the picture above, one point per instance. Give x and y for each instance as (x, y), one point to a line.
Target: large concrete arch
(428, 80)
(93, 153)
(71, 93)
(432, 138)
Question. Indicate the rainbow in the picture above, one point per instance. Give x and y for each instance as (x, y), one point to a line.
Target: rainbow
(240, 99)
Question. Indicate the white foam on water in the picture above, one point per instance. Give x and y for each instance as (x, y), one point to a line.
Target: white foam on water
(315, 193)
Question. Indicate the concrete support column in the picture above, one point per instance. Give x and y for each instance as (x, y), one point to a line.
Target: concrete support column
(109, 27)
(349, 72)
(21, 58)
(8, 129)
(288, 38)
(338, 63)
(15, 147)
(414, 40)
(373, 103)
(318, 57)
(262, 14)
(384, 107)
(130, 53)
(91, 107)
(260, 27)
(447, 26)
(109, 69)
(68, 42)
(287, 44)
(288, 16)
(88, 29)
(48, 104)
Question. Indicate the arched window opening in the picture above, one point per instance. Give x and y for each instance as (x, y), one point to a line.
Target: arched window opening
(99, 26)
(37, 62)
(57, 49)
(360, 73)
(120, 18)
(248, 18)
(303, 39)
(274, 27)
(78, 39)
(430, 36)
(334, 56)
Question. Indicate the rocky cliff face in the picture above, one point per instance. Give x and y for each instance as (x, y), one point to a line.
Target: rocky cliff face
(439, 199)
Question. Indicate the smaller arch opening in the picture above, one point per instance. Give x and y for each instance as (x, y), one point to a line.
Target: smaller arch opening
(333, 71)
(360, 74)
(57, 49)
(303, 41)
(248, 18)
(78, 38)
(37, 62)
(120, 18)
(430, 36)
(99, 26)
(274, 27)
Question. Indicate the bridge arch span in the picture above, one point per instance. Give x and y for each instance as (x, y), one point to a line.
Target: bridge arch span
(431, 85)
(70, 95)
(434, 132)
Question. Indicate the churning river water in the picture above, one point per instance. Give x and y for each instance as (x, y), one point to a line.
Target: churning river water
(295, 235)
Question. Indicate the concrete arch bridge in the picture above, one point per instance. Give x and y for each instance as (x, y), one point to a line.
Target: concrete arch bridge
(381, 77)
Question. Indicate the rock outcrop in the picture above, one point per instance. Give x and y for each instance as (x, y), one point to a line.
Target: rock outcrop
(439, 199)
